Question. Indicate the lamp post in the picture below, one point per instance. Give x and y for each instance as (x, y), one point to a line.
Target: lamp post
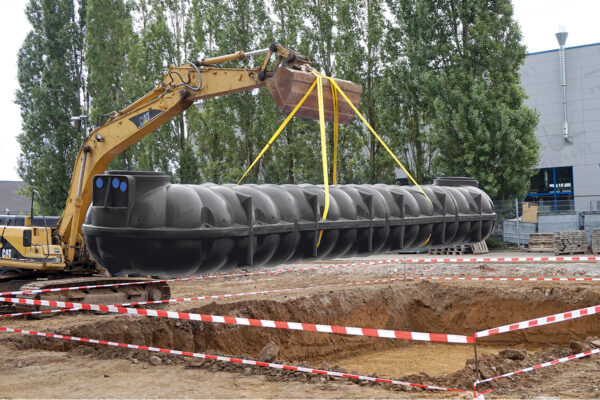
(561, 36)
(76, 121)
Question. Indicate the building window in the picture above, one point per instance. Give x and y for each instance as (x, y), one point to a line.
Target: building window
(552, 189)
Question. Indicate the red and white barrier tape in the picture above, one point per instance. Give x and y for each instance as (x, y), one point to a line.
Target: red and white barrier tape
(231, 295)
(272, 291)
(297, 326)
(551, 319)
(501, 259)
(529, 369)
(194, 278)
(218, 296)
(510, 279)
(226, 359)
(356, 283)
(40, 312)
(358, 264)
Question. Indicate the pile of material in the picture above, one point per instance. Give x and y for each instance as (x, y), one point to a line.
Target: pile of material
(451, 251)
(570, 242)
(595, 237)
(477, 248)
(541, 242)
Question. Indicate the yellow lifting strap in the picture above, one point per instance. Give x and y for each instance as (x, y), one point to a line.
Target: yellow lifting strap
(332, 81)
(334, 89)
(335, 133)
(278, 131)
(319, 81)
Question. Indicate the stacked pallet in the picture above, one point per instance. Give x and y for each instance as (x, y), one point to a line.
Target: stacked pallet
(541, 242)
(595, 237)
(574, 242)
(478, 248)
(454, 250)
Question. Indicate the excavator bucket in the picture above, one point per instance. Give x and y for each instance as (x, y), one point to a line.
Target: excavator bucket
(288, 86)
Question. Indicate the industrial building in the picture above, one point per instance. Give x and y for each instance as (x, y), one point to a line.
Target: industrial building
(11, 200)
(564, 86)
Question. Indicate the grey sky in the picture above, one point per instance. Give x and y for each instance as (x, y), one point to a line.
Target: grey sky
(539, 20)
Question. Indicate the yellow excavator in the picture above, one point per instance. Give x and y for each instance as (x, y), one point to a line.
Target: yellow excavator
(35, 255)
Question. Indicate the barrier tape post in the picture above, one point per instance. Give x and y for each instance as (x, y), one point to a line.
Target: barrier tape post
(476, 358)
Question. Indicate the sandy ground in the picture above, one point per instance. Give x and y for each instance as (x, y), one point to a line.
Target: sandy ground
(43, 368)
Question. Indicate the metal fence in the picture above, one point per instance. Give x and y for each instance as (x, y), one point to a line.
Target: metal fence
(552, 215)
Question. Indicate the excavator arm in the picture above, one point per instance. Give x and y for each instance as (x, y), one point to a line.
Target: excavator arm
(181, 87)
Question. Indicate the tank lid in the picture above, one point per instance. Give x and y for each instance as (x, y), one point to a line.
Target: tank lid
(455, 181)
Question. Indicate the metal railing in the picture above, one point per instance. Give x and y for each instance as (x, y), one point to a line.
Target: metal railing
(568, 211)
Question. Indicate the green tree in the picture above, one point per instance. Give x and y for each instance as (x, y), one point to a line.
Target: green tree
(149, 59)
(110, 41)
(358, 54)
(49, 94)
(405, 107)
(212, 133)
(179, 45)
(467, 57)
(295, 156)
(229, 142)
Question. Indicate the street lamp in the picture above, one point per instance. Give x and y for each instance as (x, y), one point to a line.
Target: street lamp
(77, 121)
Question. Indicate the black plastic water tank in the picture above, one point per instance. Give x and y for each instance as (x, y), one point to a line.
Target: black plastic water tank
(140, 223)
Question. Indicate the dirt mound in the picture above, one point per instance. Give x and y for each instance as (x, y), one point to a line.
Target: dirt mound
(509, 360)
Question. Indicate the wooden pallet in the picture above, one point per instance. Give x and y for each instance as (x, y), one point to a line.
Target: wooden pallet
(541, 242)
(540, 249)
(478, 248)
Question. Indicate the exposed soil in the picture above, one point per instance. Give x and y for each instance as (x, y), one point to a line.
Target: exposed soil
(71, 369)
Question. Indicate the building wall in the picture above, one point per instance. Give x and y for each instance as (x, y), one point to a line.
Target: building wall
(540, 77)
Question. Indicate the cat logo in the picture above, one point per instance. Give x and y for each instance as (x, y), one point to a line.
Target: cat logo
(6, 254)
(142, 119)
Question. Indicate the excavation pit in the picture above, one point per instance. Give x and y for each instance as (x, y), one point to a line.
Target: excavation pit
(436, 307)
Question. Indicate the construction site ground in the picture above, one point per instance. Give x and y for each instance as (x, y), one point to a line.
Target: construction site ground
(35, 367)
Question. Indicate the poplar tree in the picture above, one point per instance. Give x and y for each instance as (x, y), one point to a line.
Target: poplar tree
(295, 156)
(50, 93)
(149, 60)
(359, 46)
(110, 42)
(210, 123)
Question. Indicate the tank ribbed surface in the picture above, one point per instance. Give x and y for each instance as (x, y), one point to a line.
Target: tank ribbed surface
(143, 224)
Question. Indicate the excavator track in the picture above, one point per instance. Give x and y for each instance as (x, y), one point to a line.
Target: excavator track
(110, 295)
